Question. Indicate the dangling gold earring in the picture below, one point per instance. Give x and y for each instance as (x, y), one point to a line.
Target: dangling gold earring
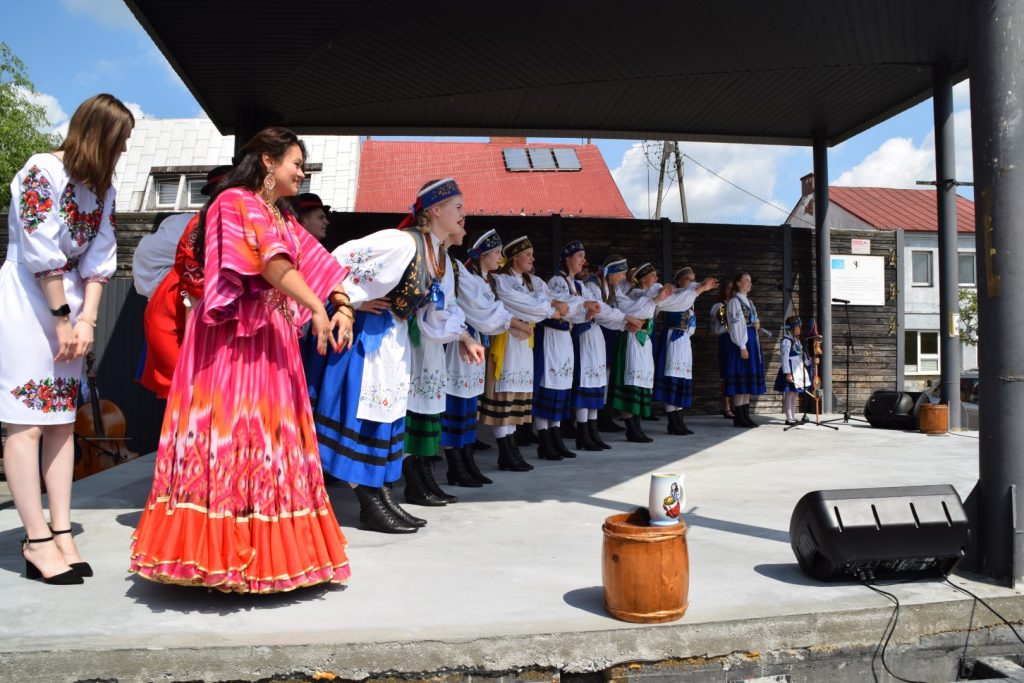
(269, 183)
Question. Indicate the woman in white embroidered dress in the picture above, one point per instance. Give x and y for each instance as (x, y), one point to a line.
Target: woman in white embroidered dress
(673, 355)
(508, 395)
(62, 250)
(633, 367)
(485, 318)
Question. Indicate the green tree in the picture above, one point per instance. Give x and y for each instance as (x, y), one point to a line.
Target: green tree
(969, 316)
(22, 123)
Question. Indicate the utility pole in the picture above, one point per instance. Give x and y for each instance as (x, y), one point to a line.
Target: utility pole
(679, 176)
(661, 178)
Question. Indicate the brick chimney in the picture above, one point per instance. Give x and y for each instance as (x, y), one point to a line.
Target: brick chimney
(807, 185)
(508, 141)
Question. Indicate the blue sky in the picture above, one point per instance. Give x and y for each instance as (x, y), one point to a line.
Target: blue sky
(76, 48)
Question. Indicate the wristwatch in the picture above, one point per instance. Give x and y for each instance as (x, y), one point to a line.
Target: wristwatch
(61, 312)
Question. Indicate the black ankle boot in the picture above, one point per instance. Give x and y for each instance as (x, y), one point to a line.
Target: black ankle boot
(416, 491)
(634, 433)
(605, 423)
(673, 423)
(466, 452)
(737, 417)
(426, 467)
(524, 435)
(569, 429)
(507, 460)
(746, 416)
(546, 450)
(559, 444)
(595, 435)
(457, 473)
(681, 421)
(584, 439)
(517, 456)
(374, 514)
(387, 495)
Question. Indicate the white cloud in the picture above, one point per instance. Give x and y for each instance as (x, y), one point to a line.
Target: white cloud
(55, 114)
(136, 110)
(755, 168)
(899, 162)
(107, 12)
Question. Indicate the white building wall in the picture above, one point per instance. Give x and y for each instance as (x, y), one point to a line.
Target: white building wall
(197, 142)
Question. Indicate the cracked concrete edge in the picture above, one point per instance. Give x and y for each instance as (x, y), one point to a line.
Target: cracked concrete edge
(567, 652)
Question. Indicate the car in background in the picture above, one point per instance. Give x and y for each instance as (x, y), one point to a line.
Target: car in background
(969, 397)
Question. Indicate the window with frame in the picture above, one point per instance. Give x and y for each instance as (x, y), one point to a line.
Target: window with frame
(921, 268)
(921, 352)
(195, 184)
(165, 191)
(967, 276)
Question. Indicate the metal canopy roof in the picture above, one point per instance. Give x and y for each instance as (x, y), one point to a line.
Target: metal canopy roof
(719, 70)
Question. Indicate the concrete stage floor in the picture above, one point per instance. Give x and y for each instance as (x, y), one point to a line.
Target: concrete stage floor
(508, 581)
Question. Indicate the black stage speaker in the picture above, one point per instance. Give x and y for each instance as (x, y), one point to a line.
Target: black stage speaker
(891, 409)
(900, 532)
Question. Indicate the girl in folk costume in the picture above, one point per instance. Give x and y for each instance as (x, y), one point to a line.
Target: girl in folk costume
(60, 253)
(508, 392)
(360, 396)
(172, 301)
(438, 321)
(744, 365)
(605, 285)
(633, 369)
(485, 317)
(793, 377)
(673, 356)
(556, 378)
(238, 500)
(720, 328)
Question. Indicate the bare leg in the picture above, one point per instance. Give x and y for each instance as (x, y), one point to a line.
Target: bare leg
(58, 471)
(21, 466)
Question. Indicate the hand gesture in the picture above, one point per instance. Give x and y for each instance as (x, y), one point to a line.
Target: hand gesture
(664, 293)
(744, 354)
(83, 339)
(341, 336)
(707, 284)
(65, 339)
(561, 307)
(376, 306)
(472, 351)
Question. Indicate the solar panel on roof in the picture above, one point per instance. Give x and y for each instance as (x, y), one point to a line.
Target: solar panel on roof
(566, 159)
(516, 159)
(541, 159)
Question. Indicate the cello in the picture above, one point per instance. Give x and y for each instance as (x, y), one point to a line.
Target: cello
(100, 429)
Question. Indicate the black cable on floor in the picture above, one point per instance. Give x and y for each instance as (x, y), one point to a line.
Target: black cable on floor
(963, 659)
(887, 634)
(990, 608)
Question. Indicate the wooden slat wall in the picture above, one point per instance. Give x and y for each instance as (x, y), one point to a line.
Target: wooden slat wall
(711, 249)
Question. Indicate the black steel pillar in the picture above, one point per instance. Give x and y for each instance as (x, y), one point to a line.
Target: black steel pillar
(997, 117)
(949, 280)
(824, 266)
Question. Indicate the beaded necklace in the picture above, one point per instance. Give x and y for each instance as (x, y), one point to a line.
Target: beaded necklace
(438, 264)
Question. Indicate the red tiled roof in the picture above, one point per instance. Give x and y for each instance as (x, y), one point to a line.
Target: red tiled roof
(392, 172)
(888, 209)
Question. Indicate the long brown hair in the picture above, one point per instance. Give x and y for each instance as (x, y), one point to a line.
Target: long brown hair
(506, 269)
(96, 135)
(249, 173)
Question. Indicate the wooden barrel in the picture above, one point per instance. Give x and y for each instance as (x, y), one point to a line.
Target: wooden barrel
(646, 569)
(933, 418)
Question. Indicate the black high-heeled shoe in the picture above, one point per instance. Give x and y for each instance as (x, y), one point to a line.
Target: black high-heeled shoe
(81, 568)
(68, 578)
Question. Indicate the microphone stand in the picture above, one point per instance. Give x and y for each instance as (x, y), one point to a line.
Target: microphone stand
(817, 418)
(846, 419)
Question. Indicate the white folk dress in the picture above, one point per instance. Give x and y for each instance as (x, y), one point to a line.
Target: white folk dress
(517, 367)
(488, 316)
(678, 352)
(559, 362)
(377, 263)
(437, 326)
(639, 365)
(56, 226)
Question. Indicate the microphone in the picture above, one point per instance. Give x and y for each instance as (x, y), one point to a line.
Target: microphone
(840, 301)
